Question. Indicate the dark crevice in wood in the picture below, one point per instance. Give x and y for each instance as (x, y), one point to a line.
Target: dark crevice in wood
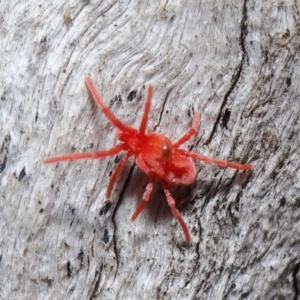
(162, 109)
(116, 252)
(80, 256)
(105, 208)
(187, 282)
(69, 270)
(105, 237)
(132, 95)
(22, 174)
(236, 76)
(295, 285)
(96, 286)
(114, 213)
(226, 118)
(4, 151)
(3, 164)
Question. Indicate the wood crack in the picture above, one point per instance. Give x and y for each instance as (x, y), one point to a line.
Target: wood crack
(236, 76)
(295, 285)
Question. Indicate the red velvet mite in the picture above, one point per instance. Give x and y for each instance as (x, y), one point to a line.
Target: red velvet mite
(154, 153)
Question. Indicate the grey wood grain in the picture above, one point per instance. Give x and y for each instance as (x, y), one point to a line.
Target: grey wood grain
(235, 61)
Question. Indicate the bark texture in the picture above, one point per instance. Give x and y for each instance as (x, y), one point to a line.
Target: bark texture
(238, 62)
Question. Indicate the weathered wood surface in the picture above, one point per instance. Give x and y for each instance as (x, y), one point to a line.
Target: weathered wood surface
(235, 61)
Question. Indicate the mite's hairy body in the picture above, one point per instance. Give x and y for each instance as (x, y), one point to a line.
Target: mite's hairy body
(155, 154)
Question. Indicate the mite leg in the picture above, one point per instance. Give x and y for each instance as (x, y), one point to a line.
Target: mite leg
(116, 173)
(146, 110)
(176, 213)
(93, 155)
(105, 109)
(218, 162)
(145, 199)
(191, 132)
